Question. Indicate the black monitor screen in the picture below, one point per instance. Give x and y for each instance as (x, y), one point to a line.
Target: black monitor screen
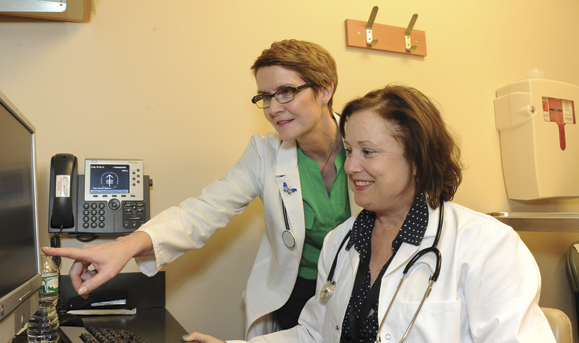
(17, 213)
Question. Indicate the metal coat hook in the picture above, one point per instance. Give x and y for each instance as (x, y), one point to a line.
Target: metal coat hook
(409, 45)
(369, 25)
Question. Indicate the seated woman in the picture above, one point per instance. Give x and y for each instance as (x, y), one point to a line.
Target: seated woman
(404, 168)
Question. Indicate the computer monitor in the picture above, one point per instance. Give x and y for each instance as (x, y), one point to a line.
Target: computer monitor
(19, 248)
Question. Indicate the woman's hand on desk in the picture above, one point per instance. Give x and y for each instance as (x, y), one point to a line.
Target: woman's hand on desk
(201, 338)
(108, 259)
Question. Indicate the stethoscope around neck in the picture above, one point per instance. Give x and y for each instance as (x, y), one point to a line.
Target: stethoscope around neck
(330, 285)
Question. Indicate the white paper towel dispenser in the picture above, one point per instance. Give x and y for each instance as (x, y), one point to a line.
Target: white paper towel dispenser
(539, 137)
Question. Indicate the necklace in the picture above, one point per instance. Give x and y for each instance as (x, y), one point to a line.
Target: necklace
(331, 150)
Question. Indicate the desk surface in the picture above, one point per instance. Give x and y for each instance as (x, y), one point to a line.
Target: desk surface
(153, 325)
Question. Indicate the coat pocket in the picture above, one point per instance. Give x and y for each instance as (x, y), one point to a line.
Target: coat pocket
(437, 322)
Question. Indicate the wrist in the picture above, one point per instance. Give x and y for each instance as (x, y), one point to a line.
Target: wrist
(139, 243)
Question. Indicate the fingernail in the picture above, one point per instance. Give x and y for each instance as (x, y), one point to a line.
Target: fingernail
(82, 290)
(185, 336)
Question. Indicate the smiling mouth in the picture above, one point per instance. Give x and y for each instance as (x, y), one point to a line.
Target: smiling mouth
(283, 122)
(363, 183)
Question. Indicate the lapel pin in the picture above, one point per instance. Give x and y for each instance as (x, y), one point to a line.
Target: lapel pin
(289, 190)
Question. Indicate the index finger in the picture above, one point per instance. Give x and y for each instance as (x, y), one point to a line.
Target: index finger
(71, 253)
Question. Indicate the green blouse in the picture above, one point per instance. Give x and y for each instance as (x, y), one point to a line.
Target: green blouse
(322, 213)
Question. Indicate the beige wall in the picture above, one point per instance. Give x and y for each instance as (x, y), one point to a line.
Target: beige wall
(169, 83)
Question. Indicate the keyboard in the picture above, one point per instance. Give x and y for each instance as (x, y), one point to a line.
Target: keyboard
(75, 334)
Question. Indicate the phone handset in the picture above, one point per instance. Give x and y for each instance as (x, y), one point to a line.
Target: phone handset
(62, 198)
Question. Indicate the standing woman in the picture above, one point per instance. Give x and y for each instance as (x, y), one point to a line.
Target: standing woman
(298, 172)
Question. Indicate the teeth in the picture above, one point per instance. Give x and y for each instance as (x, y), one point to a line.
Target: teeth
(363, 183)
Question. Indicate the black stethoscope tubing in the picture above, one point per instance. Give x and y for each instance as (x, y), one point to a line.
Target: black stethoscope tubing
(330, 285)
(433, 248)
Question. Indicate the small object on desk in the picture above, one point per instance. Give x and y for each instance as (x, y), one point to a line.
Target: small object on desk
(103, 299)
(105, 312)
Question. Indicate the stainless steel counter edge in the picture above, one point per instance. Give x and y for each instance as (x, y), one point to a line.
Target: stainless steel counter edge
(540, 221)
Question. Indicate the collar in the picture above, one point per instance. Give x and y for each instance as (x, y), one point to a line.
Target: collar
(411, 232)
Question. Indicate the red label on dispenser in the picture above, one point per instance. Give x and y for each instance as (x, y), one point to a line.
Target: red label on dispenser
(560, 111)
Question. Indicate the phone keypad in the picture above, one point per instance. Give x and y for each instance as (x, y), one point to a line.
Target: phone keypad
(93, 215)
(98, 216)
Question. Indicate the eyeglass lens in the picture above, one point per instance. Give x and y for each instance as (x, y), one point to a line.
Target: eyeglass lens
(283, 96)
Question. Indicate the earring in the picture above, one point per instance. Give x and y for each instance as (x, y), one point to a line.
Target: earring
(324, 103)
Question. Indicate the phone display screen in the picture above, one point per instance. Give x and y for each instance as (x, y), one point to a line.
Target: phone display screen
(109, 179)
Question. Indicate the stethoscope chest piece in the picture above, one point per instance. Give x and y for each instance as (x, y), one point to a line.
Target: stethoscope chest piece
(328, 290)
(288, 239)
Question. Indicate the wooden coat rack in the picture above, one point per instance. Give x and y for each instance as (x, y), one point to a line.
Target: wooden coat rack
(403, 40)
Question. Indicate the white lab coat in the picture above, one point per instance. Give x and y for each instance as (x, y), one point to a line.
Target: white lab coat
(487, 291)
(261, 171)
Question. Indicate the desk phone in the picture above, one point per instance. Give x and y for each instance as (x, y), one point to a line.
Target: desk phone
(112, 198)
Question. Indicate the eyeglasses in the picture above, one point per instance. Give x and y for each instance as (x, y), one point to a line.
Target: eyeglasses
(282, 95)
